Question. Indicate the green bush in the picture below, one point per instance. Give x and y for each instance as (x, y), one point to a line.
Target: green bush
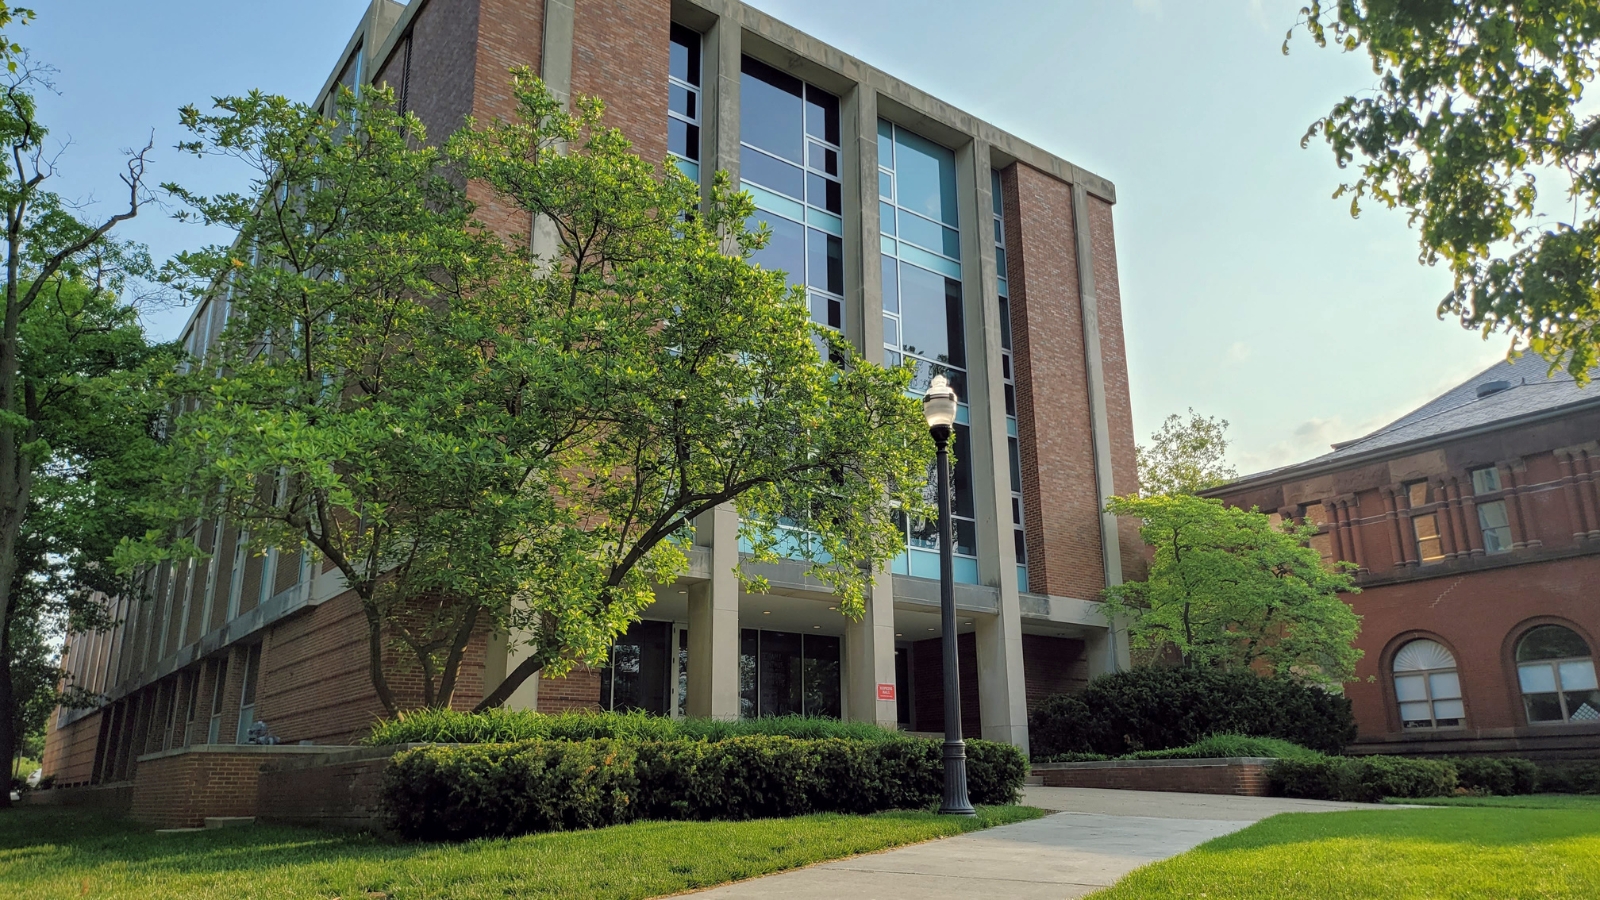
(503, 726)
(1568, 778)
(503, 789)
(1490, 775)
(1232, 745)
(1162, 707)
(1362, 779)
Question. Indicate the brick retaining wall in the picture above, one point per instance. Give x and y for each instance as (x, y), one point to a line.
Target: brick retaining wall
(1238, 776)
(181, 788)
(336, 790)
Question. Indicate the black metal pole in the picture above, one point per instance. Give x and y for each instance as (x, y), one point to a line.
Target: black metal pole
(955, 802)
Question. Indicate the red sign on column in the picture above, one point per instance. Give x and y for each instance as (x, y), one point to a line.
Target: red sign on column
(885, 692)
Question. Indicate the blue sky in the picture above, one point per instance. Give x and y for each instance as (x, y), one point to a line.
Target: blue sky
(1248, 293)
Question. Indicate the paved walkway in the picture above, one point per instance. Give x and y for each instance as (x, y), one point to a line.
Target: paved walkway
(1095, 838)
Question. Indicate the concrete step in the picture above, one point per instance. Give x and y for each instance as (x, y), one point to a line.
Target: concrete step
(229, 821)
(1033, 781)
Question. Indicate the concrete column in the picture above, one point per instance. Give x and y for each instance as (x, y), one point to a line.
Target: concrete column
(1106, 653)
(869, 657)
(863, 257)
(555, 70)
(1099, 416)
(714, 623)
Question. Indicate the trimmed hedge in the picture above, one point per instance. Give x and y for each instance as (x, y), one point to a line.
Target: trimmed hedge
(1489, 775)
(1162, 707)
(1361, 779)
(499, 790)
(498, 726)
(1232, 745)
(1569, 778)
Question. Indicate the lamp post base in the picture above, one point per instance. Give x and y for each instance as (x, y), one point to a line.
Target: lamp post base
(955, 802)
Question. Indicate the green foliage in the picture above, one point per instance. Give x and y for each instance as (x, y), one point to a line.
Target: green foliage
(1185, 457)
(1226, 589)
(483, 431)
(1568, 778)
(1160, 707)
(1494, 775)
(1474, 103)
(1361, 779)
(497, 726)
(460, 792)
(1221, 746)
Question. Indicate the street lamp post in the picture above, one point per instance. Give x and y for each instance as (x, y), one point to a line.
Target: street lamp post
(939, 409)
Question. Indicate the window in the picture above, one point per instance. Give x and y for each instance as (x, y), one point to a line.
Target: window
(1424, 526)
(787, 674)
(923, 321)
(247, 694)
(789, 163)
(1427, 687)
(1491, 513)
(640, 669)
(1008, 379)
(683, 101)
(1557, 676)
(219, 680)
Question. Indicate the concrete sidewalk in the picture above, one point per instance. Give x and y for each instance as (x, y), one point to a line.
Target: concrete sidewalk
(1095, 838)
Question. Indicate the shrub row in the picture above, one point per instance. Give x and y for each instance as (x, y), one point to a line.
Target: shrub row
(1568, 778)
(1162, 707)
(486, 790)
(1362, 779)
(498, 726)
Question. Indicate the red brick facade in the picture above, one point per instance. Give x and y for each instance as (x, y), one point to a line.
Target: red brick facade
(1061, 502)
(1476, 604)
(181, 789)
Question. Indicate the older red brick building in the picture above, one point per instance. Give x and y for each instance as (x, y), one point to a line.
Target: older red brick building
(921, 233)
(1475, 523)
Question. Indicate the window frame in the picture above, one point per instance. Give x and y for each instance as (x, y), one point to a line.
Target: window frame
(1427, 685)
(1554, 665)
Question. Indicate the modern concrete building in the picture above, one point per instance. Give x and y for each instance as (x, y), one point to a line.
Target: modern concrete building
(1475, 523)
(920, 232)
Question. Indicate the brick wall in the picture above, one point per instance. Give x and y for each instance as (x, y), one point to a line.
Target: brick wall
(927, 679)
(324, 793)
(1053, 417)
(1243, 779)
(580, 689)
(619, 54)
(181, 788)
(69, 752)
(1052, 665)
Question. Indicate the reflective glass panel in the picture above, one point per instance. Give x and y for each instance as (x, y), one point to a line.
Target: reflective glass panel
(925, 174)
(771, 173)
(770, 114)
(786, 251)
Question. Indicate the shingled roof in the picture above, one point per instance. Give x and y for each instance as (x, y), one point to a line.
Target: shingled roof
(1512, 391)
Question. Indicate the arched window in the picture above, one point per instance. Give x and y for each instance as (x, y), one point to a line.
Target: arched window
(1557, 676)
(1426, 685)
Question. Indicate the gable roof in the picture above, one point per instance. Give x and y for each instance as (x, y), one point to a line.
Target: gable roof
(1530, 391)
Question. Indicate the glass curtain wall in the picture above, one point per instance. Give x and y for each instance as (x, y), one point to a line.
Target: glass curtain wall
(1008, 376)
(787, 674)
(922, 317)
(683, 101)
(789, 162)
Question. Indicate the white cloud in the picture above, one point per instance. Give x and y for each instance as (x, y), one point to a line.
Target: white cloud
(1238, 352)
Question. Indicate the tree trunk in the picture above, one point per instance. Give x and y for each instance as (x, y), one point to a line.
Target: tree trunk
(9, 739)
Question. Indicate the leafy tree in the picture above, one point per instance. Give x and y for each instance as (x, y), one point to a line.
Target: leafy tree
(482, 438)
(1475, 102)
(62, 350)
(1228, 590)
(1185, 457)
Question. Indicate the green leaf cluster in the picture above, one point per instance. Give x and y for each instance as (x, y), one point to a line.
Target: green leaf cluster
(1474, 103)
(1227, 589)
(484, 429)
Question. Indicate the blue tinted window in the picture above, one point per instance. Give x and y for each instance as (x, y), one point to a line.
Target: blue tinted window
(891, 287)
(787, 249)
(930, 314)
(684, 62)
(757, 167)
(770, 110)
(827, 261)
(822, 115)
(925, 176)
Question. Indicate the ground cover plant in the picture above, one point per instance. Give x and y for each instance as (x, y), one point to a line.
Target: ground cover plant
(444, 726)
(458, 792)
(51, 854)
(1528, 801)
(1464, 854)
(1217, 746)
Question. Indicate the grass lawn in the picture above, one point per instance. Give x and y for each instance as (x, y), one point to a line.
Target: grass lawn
(47, 853)
(1529, 801)
(1408, 854)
